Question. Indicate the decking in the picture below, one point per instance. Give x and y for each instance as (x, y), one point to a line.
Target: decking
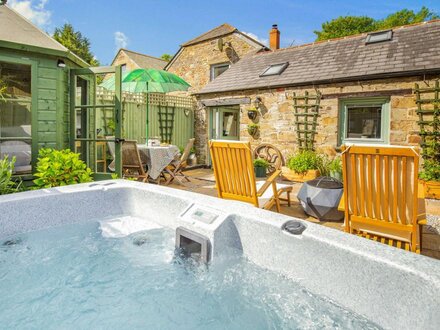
(203, 182)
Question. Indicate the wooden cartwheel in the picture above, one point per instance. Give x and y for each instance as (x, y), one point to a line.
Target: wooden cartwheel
(271, 154)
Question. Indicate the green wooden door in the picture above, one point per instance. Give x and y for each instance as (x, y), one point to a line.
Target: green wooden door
(87, 136)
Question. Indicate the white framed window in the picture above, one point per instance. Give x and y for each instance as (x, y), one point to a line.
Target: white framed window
(379, 37)
(218, 69)
(364, 120)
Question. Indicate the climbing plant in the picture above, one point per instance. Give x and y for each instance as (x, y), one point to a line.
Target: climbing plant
(428, 110)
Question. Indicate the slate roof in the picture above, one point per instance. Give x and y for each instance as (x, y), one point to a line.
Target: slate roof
(145, 61)
(15, 28)
(216, 32)
(18, 30)
(413, 49)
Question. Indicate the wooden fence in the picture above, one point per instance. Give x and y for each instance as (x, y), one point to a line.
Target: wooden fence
(170, 117)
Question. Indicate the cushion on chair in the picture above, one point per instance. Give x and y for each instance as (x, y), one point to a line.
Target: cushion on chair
(268, 194)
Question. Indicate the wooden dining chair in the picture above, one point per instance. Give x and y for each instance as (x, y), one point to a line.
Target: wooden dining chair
(131, 162)
(235, 176)
(382, 199)
(175, 169)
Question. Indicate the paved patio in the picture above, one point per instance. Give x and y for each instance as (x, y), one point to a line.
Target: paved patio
(203, 182)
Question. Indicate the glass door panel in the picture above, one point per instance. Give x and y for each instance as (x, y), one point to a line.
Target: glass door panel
(96, 116)
(225, 123)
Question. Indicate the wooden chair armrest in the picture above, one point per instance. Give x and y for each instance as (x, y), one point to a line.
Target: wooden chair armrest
(422, 222)
(341, 206)
(268, 182)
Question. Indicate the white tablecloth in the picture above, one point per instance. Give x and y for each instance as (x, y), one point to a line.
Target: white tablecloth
(157, 158)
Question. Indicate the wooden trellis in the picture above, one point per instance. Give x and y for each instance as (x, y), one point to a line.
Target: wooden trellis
(166, 123)
(306, 112)
(428, 110)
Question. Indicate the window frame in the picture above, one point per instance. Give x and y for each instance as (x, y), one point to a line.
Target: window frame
(284, 66)
(217, 65)
(344, 104)
(388, 36)
(34, 106)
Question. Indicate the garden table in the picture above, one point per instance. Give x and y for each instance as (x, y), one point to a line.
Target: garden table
(157, 157)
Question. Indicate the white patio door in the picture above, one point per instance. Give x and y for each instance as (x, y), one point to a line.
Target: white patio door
(225, 123)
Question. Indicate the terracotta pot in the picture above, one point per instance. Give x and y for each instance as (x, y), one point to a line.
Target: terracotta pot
(432, 189)
(291, 175)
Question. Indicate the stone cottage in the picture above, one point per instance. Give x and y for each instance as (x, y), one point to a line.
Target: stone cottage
(205, 57)
(130, 60)
(365, 82)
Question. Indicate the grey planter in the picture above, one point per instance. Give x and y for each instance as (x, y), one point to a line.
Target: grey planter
(320, 198)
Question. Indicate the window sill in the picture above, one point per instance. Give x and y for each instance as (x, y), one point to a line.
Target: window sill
(364, 141)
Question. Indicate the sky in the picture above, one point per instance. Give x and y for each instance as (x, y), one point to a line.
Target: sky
(155, 27)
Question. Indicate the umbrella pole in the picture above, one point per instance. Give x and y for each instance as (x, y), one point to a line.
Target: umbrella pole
(147, 121)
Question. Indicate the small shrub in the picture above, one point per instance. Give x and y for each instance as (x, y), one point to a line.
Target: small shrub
(431, 171)
(7, 184)
(115, 176)
(253, 128)
(60, 168)
(335, 167)
(304, 161)
(261, 163)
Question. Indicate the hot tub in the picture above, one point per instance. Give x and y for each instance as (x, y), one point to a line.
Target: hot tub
(58, 270)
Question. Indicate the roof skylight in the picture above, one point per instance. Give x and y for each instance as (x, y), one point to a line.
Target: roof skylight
(274, 69)
(379, 37)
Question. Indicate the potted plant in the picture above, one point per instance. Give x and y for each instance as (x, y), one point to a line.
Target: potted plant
(252, 114)
(303, 166)
(335, 168)
(430, 174)
(431, 178)
(253, 129)
(260, 167)
(192, 158)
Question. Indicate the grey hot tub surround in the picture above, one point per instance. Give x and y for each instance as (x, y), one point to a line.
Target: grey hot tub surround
(391, 287)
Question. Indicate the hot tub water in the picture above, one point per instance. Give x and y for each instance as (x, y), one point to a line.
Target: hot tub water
(73, 277)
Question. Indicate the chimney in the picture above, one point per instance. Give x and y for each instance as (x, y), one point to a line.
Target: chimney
(274, 37)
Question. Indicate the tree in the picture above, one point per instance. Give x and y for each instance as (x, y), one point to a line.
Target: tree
(166, 57)
(76, 42)
(405, 16)
(349, 25)
(345, 26)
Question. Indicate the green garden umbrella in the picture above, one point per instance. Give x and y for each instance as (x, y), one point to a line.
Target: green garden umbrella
(148, 81)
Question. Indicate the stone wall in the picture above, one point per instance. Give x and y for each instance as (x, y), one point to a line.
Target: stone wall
(277, 123)
(194, 62)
